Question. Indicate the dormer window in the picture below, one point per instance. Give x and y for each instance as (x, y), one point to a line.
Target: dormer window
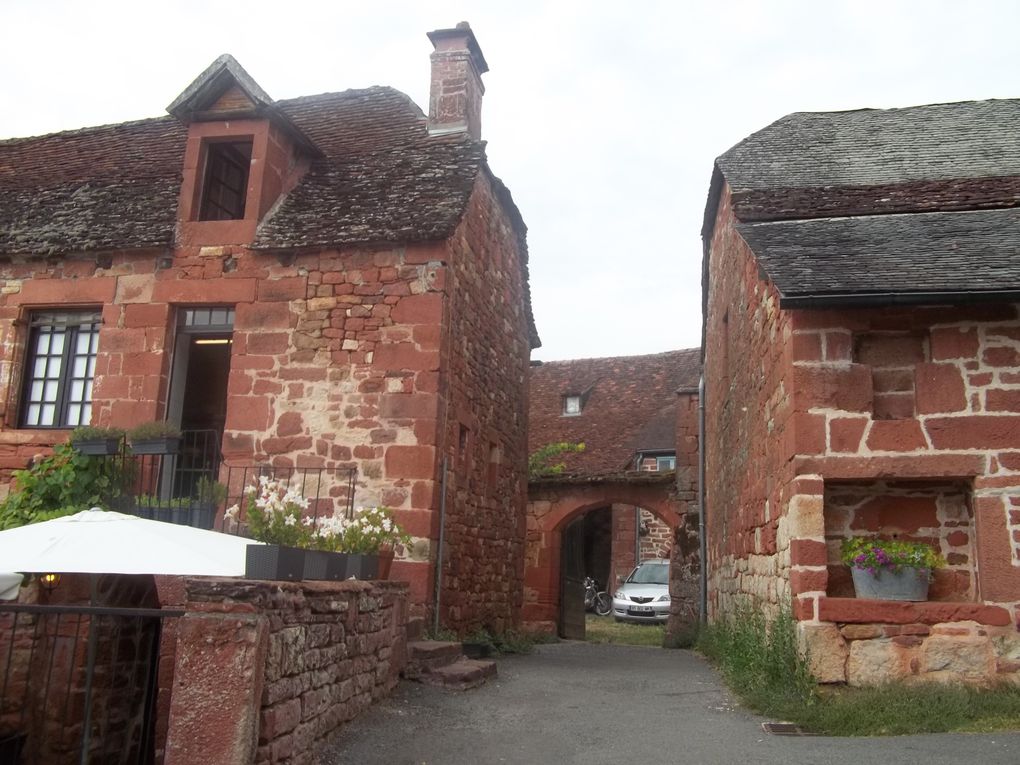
(225, 187)
(571, 405)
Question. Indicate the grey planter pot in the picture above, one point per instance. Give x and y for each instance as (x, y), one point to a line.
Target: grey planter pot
(168, 445)
(275, 562)
(905, 584)
(202, 515)
(326, 566)
(97, 447)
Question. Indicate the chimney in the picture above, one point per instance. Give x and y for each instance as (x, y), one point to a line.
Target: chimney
(455, 101)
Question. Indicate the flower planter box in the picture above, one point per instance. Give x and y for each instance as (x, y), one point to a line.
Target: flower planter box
(906, 584)
(276, 562)
(202, 515)
(326, 566)
(168, 445)
(362, 566)
(97, 447)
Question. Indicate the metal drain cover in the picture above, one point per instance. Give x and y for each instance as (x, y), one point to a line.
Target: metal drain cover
(784, 729)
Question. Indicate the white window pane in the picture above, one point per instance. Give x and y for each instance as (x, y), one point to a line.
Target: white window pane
(86, 414)
(82, 346)
(39, 370)
(77, 390)
(74, 414)
(36, 393)
(218, 316)
(57, 345)
(42, 347)
(81, 365)
(33, 414)
(50, 391)
(46, 416)
(92, 369)
(94, 342)
(88, 391)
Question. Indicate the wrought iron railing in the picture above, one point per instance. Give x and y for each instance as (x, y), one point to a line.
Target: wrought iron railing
(194, 485)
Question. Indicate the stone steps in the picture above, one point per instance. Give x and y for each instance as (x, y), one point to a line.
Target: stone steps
(442, 663)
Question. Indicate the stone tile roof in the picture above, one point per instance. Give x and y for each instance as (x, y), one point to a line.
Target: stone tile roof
(880, 254)
(875, 203)
(629, 405)
(874, 147)
(382, 179)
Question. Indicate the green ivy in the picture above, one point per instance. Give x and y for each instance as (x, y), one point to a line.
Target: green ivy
(63, 483)
(540, 464)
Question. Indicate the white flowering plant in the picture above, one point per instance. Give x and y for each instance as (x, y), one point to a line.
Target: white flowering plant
(372, 529)
(274, 512)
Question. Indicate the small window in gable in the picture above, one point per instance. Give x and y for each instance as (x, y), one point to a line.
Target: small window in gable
(225, 186)
(571, 405)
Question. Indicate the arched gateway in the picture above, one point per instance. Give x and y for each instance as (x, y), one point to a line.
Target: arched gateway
(556, 504)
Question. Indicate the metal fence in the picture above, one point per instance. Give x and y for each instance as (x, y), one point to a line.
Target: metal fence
(193, 485)
(78, 683)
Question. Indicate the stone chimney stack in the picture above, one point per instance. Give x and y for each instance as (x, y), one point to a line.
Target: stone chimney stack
(455, 102)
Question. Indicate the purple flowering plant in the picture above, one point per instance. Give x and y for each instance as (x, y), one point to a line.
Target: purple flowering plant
(875, 555)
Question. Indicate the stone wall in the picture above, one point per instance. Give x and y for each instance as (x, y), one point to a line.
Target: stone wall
(656, 536)
(483, 418)
(269, 671)
(750, 429)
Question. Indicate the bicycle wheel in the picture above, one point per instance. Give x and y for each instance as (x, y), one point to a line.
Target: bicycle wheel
(603, 604)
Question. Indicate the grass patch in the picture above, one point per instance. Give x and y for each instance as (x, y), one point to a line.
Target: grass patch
(760, 663)
(605, 629)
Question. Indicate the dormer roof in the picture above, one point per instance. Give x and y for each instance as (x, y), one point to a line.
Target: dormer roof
(224, 91)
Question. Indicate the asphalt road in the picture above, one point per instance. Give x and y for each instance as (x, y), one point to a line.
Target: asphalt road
(591, 704)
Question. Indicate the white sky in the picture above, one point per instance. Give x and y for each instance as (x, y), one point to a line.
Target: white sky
(603, 118)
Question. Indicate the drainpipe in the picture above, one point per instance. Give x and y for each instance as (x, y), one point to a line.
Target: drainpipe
(702, 526)
(439, 549)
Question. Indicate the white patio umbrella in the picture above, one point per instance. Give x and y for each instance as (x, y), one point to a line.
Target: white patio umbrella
(103, 542)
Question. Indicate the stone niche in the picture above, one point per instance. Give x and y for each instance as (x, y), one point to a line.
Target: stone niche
(939, 513)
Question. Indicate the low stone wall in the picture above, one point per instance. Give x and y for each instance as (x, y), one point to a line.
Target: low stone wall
(869, 642)
(268, 671)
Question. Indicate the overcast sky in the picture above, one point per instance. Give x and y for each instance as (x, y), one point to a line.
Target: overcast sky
(603, 118)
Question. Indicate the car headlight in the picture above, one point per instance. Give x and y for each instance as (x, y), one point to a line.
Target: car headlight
(619, 595)
(662, 598)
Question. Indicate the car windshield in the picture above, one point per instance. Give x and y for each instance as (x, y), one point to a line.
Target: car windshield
(651, 574)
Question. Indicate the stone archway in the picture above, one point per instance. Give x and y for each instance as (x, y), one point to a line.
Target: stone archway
(553, 503)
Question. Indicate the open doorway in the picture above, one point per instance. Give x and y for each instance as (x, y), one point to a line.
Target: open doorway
(197, 401)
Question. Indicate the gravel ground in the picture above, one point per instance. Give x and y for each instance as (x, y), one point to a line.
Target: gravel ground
(579, 703)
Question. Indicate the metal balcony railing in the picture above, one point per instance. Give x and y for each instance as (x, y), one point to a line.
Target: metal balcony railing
(193, 485)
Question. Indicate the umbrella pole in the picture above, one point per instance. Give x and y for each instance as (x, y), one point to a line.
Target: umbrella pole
(90, 668)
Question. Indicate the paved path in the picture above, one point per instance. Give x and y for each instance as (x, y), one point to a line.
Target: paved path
(576, 703)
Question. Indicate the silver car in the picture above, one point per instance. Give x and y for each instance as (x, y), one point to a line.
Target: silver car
(644, 595)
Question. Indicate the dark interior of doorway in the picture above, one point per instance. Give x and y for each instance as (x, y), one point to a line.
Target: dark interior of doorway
(205, 387)
(598, 545)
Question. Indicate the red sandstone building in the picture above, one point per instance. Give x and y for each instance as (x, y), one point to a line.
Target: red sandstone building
(862, 364)
(620, 500)
(327, 282)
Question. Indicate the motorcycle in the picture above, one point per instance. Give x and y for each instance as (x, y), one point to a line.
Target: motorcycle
(596, 600)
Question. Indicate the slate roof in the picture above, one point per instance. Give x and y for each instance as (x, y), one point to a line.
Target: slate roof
(881, 254)
(382, 179)
(873, 147)
(894, 205)
(630, 406)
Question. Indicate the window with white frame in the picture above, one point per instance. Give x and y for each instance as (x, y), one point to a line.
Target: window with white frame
(59, 368)
(571, 405)
(665, 463)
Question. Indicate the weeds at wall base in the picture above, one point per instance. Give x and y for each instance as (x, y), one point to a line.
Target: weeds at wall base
(760, 663)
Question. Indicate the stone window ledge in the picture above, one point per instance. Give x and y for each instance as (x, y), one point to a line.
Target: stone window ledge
(865, 611)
